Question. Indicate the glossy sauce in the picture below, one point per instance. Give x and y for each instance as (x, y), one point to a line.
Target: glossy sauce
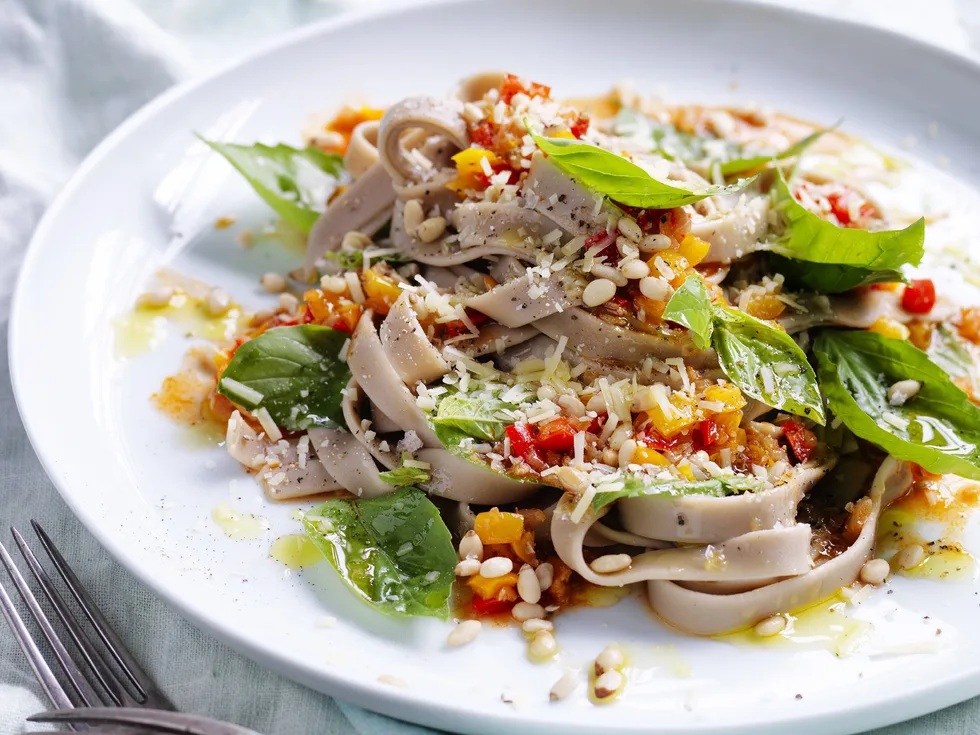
(295, 551)
(239, 526)
(143, 328)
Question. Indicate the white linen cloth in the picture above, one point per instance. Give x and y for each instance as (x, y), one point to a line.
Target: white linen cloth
(70, 71)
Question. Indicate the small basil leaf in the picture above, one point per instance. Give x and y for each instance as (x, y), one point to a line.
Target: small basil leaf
(829, 277)
(621, 180)
(394, 551)
(765, 363)
(404, 476)
(293, 372)
(469, 414)
(803, 235)
(296, 183)
(951, 352)
(741, 166)
(635, 486)
(691, 307)
(937, 428)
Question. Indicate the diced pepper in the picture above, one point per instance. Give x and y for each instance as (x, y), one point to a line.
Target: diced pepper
(679, 418)
(840, 206)
(512, 85)
(562, 134)
(646, 455)
(349, 118)
(709, 434)
(489, 587)
(653, 311)
(381, 291)
(765, 306)
(694, 249)
(486, 608)
(969, 326)
(920, 333)
(801, 440)
(728, 423)
(522, 444)
(674, 260)
(919, 296)
(727, 394)
(333, 310)
(470, 173)
(890, 328)
(686, 472)
(523, 548)
(556, 435)
(580, 126)
(494, 527)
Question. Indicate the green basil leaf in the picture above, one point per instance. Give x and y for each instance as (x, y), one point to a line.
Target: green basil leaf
(293, 372)
(951, 352)
(296, 183)
(766, 364)
(621, 180)
(404, 476)
(740, 166)
(394, 551)
(941, 427)
(469, 414)
(829, 277)
(808, 237)
(690, 306)
(636, 486)
(353, 260)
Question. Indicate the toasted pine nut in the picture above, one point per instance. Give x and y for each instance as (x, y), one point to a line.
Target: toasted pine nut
(526, 611)
(333, 284)
(536, 625)
(157, 298)
(598, 292)
(628, 227)
(600, 270)
(564, 687)
(528, 586)
(471, 547)
(355, 240)
(431, 229)
(572, 480)
(910, 556)
(498, 566)
(546, 393)
(468, 567)
(545, 574)
(608, 684)
(654, 287)
(875, 571)
(902, 391)
(273, 283)
(770, 627)
(464, 632)
(412, 215)
(626, 452)
(543, 646)
(218, 302)
(654, 242)
(611, 563)
(610, 658)
(635, 269)
(572, 405)
(288, 302)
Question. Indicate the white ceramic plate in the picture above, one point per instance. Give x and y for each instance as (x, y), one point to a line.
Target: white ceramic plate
(147, 198)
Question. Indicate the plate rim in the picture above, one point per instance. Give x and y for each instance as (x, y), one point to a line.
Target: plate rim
(374, 696)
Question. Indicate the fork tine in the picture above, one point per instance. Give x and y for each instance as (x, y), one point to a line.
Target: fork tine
(81, 686)
(49, 683)
(144, 685)
(96, 663)
(174, 722)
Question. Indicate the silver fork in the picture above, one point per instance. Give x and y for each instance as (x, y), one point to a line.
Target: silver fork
(133, 700)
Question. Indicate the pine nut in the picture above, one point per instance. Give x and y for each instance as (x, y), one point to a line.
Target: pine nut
(610, 658)
(572, 405)
(536, 625)
(564, 687)
(572, 480)
(655, 288)
(218, 302)
(628, 227)
(498, 566)
(875, 571)
(635, 269)
(626, 452)
(471, 113)
(273, 283)
(526, 611)
(598, 292)
(600, 270)
(620, 434)
(412, 215)
(470, 546)
(468, 567)
(545, 574)
(596, 403)
(655, 242)
(157, 298)
(288, 302)
(610, 457)
(546, 393)
(464, 632)
(910, 557)
(611, 563)
(543, 646)
(528, 586)
(902, 391)
(770, 626)
(333, 284)
(355, 240)
(609, 684)
(431, 229)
